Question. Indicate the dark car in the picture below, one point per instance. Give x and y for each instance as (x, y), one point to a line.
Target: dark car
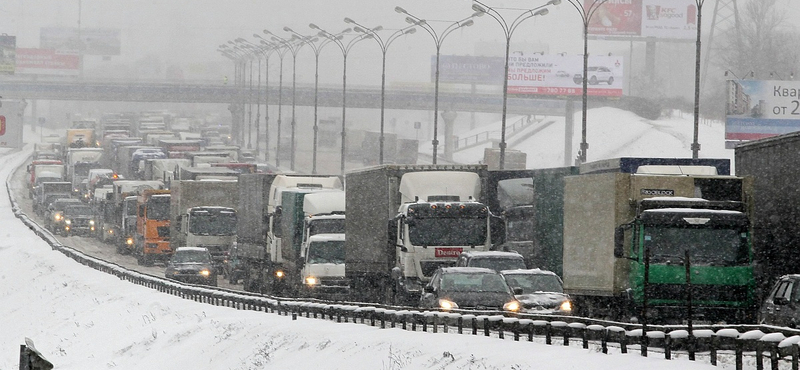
(470, 288)
(540, 291)
(54, 215)
(782, 306)
(79, 220)
(192, 265)
(495, 260)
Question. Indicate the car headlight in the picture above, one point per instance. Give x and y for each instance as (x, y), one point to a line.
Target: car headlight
(566, 306)
(447, 304)
(58, 217)
(91, 222)
(311, 281)
(68, 222)
(129, 241)
(512, 306)
(279, 274)
(205, 272)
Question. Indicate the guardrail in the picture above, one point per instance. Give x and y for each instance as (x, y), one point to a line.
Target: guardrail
(779, 345)
(486, 136)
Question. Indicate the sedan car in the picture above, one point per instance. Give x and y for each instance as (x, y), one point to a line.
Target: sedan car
(468, 288)
(595, 76)
(192, 265)
(539, 291)
(782, 306)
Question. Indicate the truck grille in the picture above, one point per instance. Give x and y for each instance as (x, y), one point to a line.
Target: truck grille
(719, 293)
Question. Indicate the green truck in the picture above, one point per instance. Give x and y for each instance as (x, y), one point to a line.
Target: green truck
(659, 234)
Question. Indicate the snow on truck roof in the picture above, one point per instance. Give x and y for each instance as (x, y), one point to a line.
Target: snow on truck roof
(326, 237)
(324, 202)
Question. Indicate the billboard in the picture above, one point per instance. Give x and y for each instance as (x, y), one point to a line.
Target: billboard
(757, 109)
(468, 69)
(562, 75)
(11, 123)
(667, 19)
(47, 62)
(88, 41)
(8, 45)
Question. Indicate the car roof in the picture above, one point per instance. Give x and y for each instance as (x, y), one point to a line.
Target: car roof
(191, 249)
(467, 270)
(492, 254)
(528, 272)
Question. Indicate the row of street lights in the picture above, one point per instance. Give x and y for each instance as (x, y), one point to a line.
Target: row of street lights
(241, 51)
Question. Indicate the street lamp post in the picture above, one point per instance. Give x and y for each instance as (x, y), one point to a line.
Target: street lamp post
(294, 49)
(345, 48)
(317, 48)
(508, 30)
(437, 39)
(586, 16)
(265, 50)
(695, 143)
(281, 53)
(384, 45)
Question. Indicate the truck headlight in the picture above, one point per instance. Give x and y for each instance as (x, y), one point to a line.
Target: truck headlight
(129, 241)
(566, 306)
(205, 272)
(311, 281)
(68, 222)
(447, 304)
(91, 222)
(58, 217)
(279, 274)
(512, 306)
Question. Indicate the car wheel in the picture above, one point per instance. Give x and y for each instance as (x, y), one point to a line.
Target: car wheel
(611, 81)
(593, 80)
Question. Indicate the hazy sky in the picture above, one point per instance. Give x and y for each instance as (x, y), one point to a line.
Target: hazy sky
(188, 32)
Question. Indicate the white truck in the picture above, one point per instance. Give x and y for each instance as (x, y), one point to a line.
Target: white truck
(203, 214)
(322, 248)
(433, 215)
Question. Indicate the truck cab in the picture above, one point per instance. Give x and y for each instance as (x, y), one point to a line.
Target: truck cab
(323, 267)
(213, 228)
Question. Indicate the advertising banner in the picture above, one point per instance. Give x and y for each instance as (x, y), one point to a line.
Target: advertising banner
(47, 62)
(618, 18)
(757, 109)
(468, 69)
(89, 41)
(562, 75)
(8, 45)
(11, 123)
(666, 19)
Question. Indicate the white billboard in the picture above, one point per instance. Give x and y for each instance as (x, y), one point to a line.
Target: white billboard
(562, 75)
(666, 19)
(11, 123)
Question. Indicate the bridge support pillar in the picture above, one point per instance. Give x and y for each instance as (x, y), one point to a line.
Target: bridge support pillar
(449, 139)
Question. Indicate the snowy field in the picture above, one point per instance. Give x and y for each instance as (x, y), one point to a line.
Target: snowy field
(80, 318)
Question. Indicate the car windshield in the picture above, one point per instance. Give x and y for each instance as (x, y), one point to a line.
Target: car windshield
(331, 251)
(498, 263)
(473, 283)
(532, 283)
(192, 256)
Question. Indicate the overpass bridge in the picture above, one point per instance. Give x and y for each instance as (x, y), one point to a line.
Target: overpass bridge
(411, 98)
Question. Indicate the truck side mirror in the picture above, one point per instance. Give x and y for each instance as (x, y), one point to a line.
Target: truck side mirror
(178, 222)
(429, 289)
(392, 231)
(619, 242)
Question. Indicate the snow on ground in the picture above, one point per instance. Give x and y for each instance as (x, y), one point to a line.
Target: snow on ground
(610, 133)
(80, 318)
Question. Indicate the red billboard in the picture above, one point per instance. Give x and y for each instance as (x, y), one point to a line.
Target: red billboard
(615, 17)
(47, 62)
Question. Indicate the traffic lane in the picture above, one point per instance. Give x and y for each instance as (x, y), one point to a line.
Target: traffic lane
(90, 245)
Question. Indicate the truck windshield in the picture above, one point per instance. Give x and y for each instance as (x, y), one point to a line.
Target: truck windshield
(212, 223)
(78, 211)
(326, 226)
(331, 251)
(712, 246)
(447, 231)
(158, 208)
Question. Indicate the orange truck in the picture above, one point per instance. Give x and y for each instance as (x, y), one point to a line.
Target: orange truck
(151, 238)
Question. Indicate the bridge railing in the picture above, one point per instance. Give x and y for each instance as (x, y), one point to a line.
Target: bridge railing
(487, 136)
